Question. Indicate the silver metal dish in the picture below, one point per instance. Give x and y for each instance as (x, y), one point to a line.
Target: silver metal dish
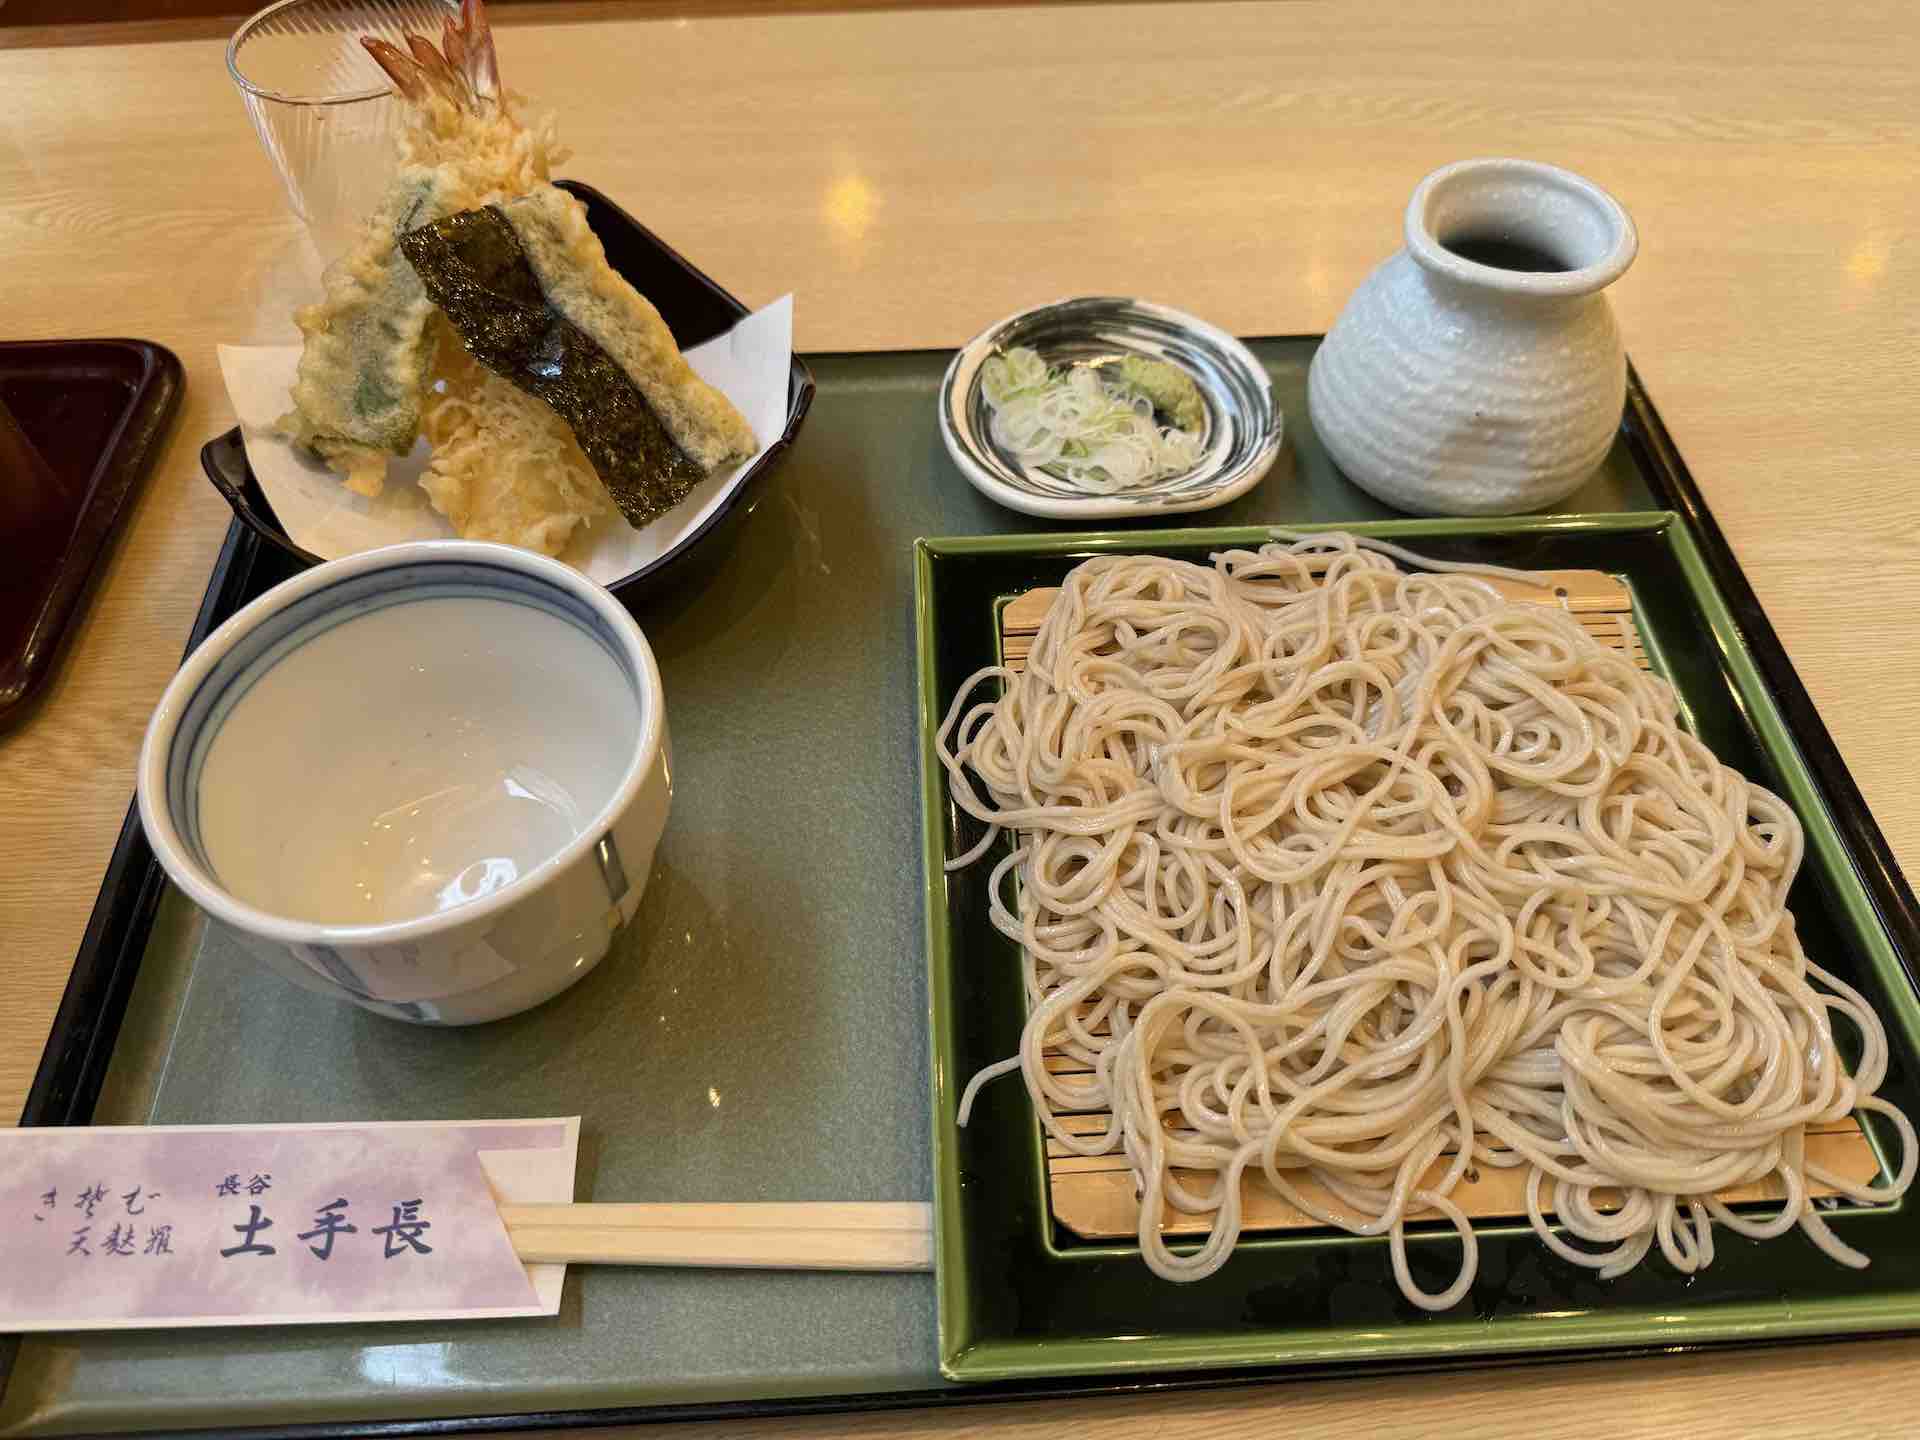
(1239, 441)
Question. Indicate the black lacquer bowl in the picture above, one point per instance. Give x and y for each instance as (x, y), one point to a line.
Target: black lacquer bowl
(695, 309)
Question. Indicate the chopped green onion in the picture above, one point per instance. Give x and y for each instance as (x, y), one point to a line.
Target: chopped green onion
(1096, 433)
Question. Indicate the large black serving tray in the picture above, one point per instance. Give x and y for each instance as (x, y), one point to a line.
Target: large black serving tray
(789, 862)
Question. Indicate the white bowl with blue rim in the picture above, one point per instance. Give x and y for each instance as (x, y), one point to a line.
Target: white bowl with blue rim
(428, 779)
(1239, 439)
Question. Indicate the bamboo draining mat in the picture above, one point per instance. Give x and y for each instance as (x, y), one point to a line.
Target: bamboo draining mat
(1601, 604)
(1093, 1195)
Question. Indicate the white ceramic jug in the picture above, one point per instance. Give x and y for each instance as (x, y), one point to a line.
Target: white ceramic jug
(1479, 370)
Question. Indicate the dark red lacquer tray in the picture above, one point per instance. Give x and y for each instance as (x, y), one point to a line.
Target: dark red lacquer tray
(80, 423)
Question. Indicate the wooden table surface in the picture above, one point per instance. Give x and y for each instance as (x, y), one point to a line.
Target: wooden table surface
(911, 176)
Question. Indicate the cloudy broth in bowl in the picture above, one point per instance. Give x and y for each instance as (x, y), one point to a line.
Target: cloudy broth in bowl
(414, 758)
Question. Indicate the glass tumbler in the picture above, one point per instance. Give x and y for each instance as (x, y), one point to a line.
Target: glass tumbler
(323, 109)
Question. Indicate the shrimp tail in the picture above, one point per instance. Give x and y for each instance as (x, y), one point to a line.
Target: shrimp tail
(463, 70)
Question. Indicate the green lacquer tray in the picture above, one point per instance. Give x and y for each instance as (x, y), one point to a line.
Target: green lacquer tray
(1022, 1298)
(778, 966)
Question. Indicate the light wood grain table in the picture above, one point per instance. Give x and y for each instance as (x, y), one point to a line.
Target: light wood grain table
(913, 175)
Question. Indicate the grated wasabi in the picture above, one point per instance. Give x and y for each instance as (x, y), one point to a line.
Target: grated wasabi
(1097, 427)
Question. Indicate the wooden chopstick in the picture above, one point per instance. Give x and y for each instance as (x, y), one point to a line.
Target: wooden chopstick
(858, 1235)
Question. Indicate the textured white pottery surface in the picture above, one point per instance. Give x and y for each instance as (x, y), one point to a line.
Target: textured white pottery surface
(1448, 387)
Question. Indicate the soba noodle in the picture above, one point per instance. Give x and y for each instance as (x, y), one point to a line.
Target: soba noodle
(1333, 871)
